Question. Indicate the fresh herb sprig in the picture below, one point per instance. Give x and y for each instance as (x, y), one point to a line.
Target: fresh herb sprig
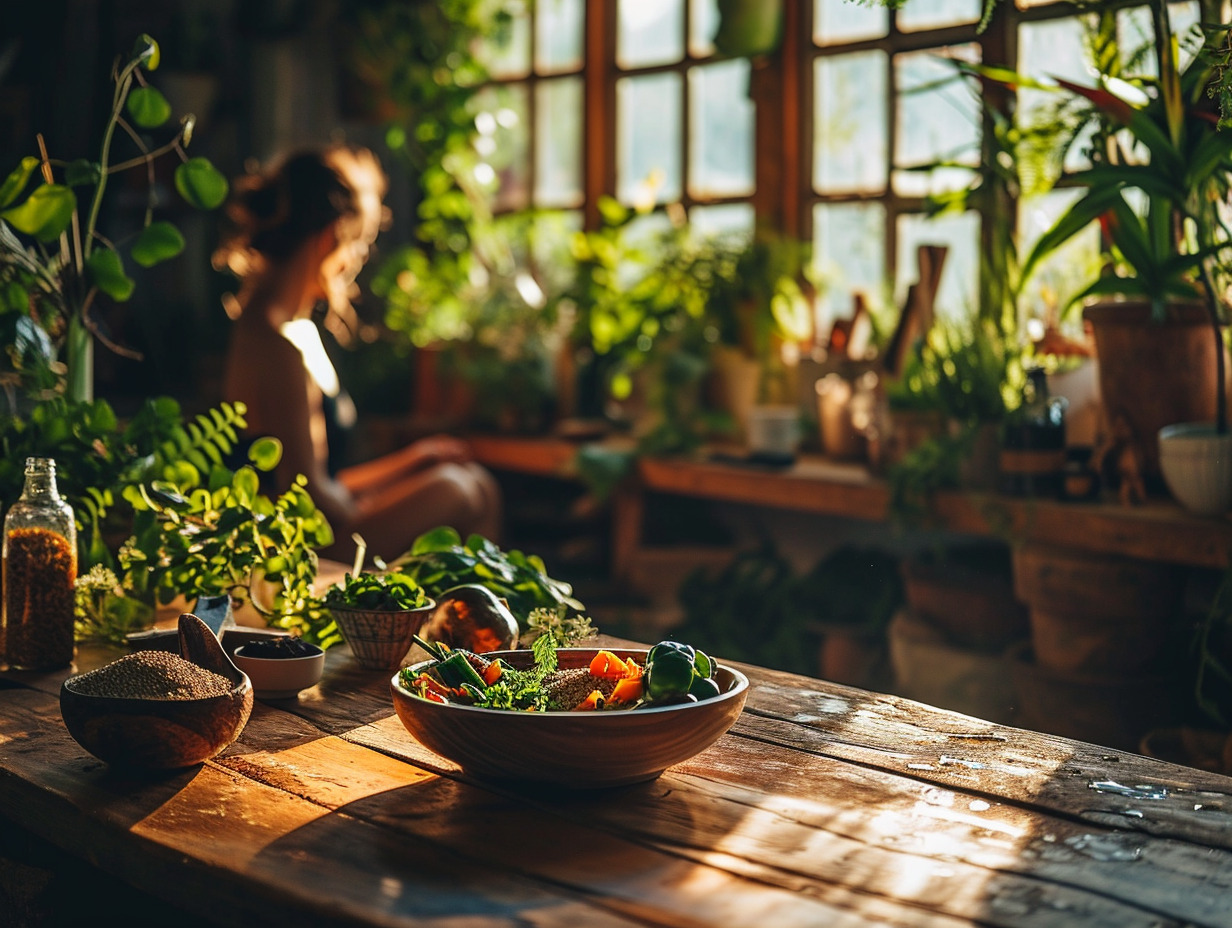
(523, 689)
(567, 628)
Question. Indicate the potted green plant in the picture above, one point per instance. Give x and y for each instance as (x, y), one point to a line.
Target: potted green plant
(379, 614)
(440, 560)
(211, 532)
(755, 305)
(58, 261)
(1159, 169)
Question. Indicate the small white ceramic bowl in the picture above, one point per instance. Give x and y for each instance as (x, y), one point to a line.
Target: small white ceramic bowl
(1197, 466)
(280, 677)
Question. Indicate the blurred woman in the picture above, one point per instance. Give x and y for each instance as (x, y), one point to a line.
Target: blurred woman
(297, 236)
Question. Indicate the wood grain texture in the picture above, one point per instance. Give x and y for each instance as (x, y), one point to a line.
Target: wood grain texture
(824, 805)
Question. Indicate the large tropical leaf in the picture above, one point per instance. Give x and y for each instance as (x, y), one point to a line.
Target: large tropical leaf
(1080, 215)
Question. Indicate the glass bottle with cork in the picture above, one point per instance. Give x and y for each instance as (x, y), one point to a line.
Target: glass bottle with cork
(40, 570)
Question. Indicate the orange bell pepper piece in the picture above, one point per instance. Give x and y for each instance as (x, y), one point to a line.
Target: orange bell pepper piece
(492, 673)
(608, 665)
(593, 701)
(628, 689)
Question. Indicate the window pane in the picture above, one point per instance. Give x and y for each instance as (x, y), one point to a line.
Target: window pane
(504, 144)
(1136, 31)
(649, 32)
(721, 130)
(648, 138)
(932, 14)
(558, 142)
(723, 220)
(703, 23)
(957, 297)
(836, 21)
(938, 119)
(849, 129)
(1048, 49)
(559, 35)
(512, 59)
(849, 257)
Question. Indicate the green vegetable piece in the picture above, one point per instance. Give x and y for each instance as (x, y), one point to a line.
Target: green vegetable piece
(703, 688)
(669, 670)
(664, 647)
(703, 663)
(456, 671)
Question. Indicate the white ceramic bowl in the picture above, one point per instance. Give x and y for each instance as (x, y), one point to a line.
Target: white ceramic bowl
(1197, 466)
(280, 677)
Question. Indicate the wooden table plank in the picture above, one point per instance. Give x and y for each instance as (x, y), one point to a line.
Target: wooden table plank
(824, 805)
(176, 836)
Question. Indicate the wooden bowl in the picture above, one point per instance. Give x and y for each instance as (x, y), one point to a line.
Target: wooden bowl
(163, 734)
(578, 750)
(380, 639)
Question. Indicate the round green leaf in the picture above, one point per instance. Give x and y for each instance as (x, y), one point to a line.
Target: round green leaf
(146, 53)
(45, 213)
(200, 183)
(148, 107)
(265, 453)
(246, 484)
(157, 242)
(107, 271)
(16, 182)
(82, 173)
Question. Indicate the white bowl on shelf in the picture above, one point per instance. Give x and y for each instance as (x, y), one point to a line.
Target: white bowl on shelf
(1197, 466)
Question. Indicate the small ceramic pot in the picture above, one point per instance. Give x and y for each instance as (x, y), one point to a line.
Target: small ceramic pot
(774, 430)
(1197, 466)
(380, 640)
(280, 677)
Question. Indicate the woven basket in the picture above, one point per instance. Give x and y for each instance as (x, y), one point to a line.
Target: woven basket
(381, 639)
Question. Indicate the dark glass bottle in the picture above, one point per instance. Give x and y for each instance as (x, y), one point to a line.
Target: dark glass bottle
(40, 570)
(1033, 446)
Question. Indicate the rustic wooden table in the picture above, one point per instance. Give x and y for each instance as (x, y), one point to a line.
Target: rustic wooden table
(823, 806)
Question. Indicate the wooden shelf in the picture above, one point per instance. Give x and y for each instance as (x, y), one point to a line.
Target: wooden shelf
(1156, 531)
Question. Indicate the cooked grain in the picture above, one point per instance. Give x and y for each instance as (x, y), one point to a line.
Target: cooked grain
(567, 688)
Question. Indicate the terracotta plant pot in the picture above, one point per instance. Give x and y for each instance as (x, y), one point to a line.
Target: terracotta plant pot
(1096, 613)
(1153, 374)
(968, 596)
(1114, 709)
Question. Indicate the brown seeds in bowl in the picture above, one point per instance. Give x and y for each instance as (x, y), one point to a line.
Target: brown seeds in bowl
(567, 688)
(152, 675)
